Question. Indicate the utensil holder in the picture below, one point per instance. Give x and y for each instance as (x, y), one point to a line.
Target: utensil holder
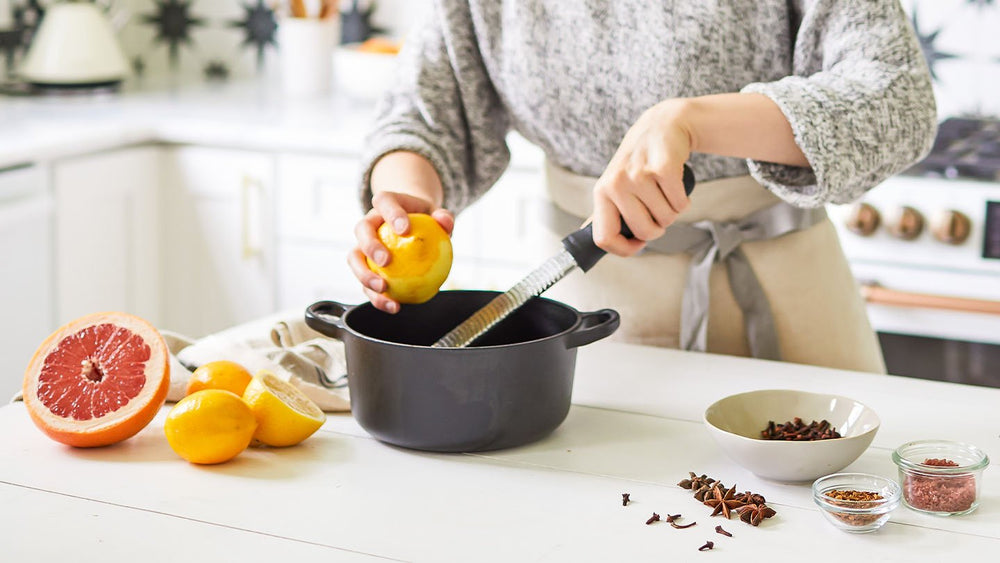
(305, 47)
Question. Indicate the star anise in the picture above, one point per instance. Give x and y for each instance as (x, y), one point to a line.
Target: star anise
(703, 492)
(724, 502)
(695, 481)
(751, 498)
(754, 514)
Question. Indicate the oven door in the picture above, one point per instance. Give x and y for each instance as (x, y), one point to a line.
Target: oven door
(940, 325)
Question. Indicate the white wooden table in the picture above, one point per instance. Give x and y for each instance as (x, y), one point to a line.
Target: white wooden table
(635, 427)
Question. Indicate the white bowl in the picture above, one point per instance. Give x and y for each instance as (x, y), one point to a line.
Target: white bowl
(736, 422)
(363, 75)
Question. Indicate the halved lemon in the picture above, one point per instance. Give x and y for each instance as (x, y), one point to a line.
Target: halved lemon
(285, 415)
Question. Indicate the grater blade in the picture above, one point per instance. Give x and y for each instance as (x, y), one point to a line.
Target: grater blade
(553, 270)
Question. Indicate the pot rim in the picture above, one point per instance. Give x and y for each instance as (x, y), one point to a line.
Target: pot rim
(348, 309)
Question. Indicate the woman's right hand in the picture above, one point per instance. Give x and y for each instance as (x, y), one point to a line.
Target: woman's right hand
(387, 207)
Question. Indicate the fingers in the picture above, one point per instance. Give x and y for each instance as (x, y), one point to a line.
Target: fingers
(391, 208)
(371, 283)
(607, 229)
(648, 203)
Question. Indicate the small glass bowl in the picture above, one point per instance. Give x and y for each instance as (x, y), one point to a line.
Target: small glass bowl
(857, 516)
(948, 488)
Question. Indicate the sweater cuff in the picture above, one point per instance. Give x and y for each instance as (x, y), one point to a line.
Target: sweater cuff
(799, 186)
(414, 142)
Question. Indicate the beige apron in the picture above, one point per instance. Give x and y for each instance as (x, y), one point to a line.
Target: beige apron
(808, 298)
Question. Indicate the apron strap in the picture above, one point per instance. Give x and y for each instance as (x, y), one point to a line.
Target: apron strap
(710, 241)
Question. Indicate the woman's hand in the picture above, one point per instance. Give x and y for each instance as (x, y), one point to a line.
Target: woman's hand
(387, 207)
(643, 182)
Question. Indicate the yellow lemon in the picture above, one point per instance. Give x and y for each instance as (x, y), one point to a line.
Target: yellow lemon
(285, 415)
(419, 262)
(210, 426)
(221, 374)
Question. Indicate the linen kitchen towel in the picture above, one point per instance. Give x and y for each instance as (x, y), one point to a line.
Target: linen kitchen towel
(281, 344)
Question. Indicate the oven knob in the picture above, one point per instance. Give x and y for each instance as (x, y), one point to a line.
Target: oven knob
(951, 227)
(907, 224)
(863, 219)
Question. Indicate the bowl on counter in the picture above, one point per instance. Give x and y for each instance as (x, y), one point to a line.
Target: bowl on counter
(856, 502)
(736, 424)
(365, 70)
(940, 477)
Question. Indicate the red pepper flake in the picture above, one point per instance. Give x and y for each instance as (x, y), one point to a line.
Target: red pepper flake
(940, 462)
(940, 493)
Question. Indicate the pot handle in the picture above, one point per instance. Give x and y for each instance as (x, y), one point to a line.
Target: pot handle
(327, 318)
(593, 327)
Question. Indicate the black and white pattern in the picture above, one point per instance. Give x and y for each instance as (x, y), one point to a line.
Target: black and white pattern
(572, 78)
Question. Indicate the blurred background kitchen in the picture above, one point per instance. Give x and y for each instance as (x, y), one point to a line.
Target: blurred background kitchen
(199, 170)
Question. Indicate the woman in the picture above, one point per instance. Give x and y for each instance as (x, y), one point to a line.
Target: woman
(779, 106)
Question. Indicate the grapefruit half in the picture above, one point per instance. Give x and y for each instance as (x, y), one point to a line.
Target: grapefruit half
(97, 380)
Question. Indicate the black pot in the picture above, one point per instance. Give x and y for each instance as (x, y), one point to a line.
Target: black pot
(511, 388)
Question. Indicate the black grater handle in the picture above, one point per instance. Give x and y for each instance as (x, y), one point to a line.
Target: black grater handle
(581, 243)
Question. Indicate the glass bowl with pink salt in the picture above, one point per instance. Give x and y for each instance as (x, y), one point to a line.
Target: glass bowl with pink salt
(940, 477)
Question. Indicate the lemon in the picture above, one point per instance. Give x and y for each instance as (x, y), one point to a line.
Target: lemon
(221, 374)
(419, 262)
(210, 426)
(285, 415)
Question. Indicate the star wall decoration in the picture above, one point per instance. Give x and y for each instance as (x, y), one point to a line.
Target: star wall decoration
(173, 25)
(10, 44)
(216, 70)
(927, 46)
(260, 28)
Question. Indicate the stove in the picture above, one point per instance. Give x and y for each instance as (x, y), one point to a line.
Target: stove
(925, 246)
(965, 148)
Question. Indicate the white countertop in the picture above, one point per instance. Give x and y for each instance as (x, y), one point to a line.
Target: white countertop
(635, 427)
(249, 115)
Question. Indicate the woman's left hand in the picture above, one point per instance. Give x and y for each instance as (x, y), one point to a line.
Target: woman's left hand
(643, 182)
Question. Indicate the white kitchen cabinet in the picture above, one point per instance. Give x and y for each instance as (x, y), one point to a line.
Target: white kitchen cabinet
(496, 238)
(26, 284)
(218, 251)
(107, 233)
(317, 208)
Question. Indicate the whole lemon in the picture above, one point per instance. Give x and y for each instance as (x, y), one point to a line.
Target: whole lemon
(285, 415)
(210, 426)
(220, 374)
(419, 261)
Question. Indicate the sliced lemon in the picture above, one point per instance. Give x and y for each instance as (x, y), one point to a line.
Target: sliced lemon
(285, 415)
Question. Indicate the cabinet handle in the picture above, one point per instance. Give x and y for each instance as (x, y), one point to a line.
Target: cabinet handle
(250, 237)
(878, 295)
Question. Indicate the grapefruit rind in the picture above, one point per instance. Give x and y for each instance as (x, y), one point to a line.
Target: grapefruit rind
(115, 426)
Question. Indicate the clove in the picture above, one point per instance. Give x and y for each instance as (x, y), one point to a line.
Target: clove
(719, 529)
(654, 518)
(708, 545)
(625, 499)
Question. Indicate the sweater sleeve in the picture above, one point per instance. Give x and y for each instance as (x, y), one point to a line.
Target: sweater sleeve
(444, 107)
(859, 101)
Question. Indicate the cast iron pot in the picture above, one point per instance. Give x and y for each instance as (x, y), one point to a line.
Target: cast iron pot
(510, 388)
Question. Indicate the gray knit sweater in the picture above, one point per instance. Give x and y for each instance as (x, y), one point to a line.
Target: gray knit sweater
(573, 75)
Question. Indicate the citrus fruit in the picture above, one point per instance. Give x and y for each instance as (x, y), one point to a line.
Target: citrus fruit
(221, 374)
(210, 426)
(97, 380)
(285, 415)
(419, 261)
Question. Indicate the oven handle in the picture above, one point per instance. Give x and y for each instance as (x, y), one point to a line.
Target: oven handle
(876, 294)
